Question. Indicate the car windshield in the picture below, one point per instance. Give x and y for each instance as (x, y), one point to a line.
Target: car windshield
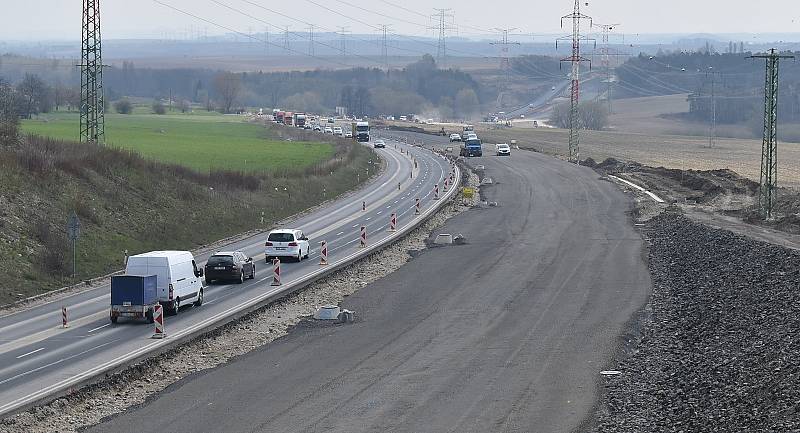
(220, 260)
(362, 128)
(473, 142)
(281, 237)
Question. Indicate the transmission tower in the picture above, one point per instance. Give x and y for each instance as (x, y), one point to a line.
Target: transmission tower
(92, 118)
(769, 145)
(575, 59)
(311, 40)
(266, 40)
(445, 19)
(605, 54)
(343, 34)
(385, 45)
(505, 62)
(286, 47)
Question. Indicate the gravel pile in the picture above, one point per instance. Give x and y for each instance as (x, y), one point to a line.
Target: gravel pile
(133, 386)
(718, 346)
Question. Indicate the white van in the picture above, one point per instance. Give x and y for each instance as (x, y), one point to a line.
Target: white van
(179, 277)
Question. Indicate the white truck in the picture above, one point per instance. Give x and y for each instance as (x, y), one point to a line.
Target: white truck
(179, 279)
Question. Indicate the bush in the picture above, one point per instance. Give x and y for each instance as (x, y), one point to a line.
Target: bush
(159, 108)
(123, 106)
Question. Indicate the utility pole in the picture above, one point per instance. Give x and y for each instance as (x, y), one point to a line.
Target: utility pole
(769, 145)
(712, 124)
(575, 60)
(311, 40)
(286, 41)
(343, 41)
(444, 18)
(92, 117)
(505, 63)
(266, 40)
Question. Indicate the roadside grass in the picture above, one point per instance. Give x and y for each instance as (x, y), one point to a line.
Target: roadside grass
(203, 142)
(128, 202)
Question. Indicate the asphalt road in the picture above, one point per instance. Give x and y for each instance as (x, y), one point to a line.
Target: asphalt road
(506, 333)
(38, 357)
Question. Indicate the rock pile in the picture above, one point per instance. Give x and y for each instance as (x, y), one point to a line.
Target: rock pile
(719, 342)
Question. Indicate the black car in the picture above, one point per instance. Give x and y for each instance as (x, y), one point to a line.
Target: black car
(229, 266)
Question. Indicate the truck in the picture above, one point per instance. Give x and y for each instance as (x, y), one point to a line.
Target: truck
(133, 296)
(471, 147)
(179, 278)
(467, 130)
(361, 132)
(279, 116)
(288, 118)
(299, 119)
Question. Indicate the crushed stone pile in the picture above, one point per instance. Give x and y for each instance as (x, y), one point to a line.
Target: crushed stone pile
(717, 348)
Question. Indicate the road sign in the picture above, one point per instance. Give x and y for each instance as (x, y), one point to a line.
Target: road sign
(73, 227)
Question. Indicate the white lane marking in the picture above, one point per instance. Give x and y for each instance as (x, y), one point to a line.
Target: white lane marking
(99, 327)
(355, 226)
(56, 362)
(379, 212)
(339, 234)
(31, 352)
(369, 218)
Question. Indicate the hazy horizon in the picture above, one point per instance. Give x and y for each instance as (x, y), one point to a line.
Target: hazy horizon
(59, 20)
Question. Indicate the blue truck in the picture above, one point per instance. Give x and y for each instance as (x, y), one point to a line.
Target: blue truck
(133, 296)
(471, 147)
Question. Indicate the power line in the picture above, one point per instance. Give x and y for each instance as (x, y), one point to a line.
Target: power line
(385, 46)
(343, 34)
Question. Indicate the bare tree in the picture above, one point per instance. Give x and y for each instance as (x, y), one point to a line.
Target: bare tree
(594, 115)
(9, 116)
(227, 86)
(34, 95)
(560, 115)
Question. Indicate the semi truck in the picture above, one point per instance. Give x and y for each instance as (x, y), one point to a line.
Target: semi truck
(471, 147)
(279, 116)
(288, 118)
(361, 131)
(299, 119)
(133, 296)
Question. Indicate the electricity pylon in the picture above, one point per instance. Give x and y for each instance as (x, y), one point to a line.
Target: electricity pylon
(92, 117)
(769, 145)
(444, 25)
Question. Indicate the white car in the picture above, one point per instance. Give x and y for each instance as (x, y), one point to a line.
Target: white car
(348, 134)
(472, 137)
(502, 149)
(455, 137)
(337, 130)
(286, 243)
(328, 130)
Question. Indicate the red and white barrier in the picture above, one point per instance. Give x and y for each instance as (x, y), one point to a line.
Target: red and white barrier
(323, 253)
(64, 317)
(276, 272)
(436, 192)
(416, 207)
(363, 206)
(363, 239)
(393, 223)
(446, 182)
(158, 320)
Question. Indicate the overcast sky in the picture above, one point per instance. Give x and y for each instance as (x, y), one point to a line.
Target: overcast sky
(60, 19)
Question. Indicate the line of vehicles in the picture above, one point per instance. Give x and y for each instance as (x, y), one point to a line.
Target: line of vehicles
(173, 279)
(359, 130)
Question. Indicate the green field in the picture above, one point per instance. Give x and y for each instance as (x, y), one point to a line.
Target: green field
(200, 141)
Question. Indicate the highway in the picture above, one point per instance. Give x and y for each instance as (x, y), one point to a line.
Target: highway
(506, 333)
(39, 358)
